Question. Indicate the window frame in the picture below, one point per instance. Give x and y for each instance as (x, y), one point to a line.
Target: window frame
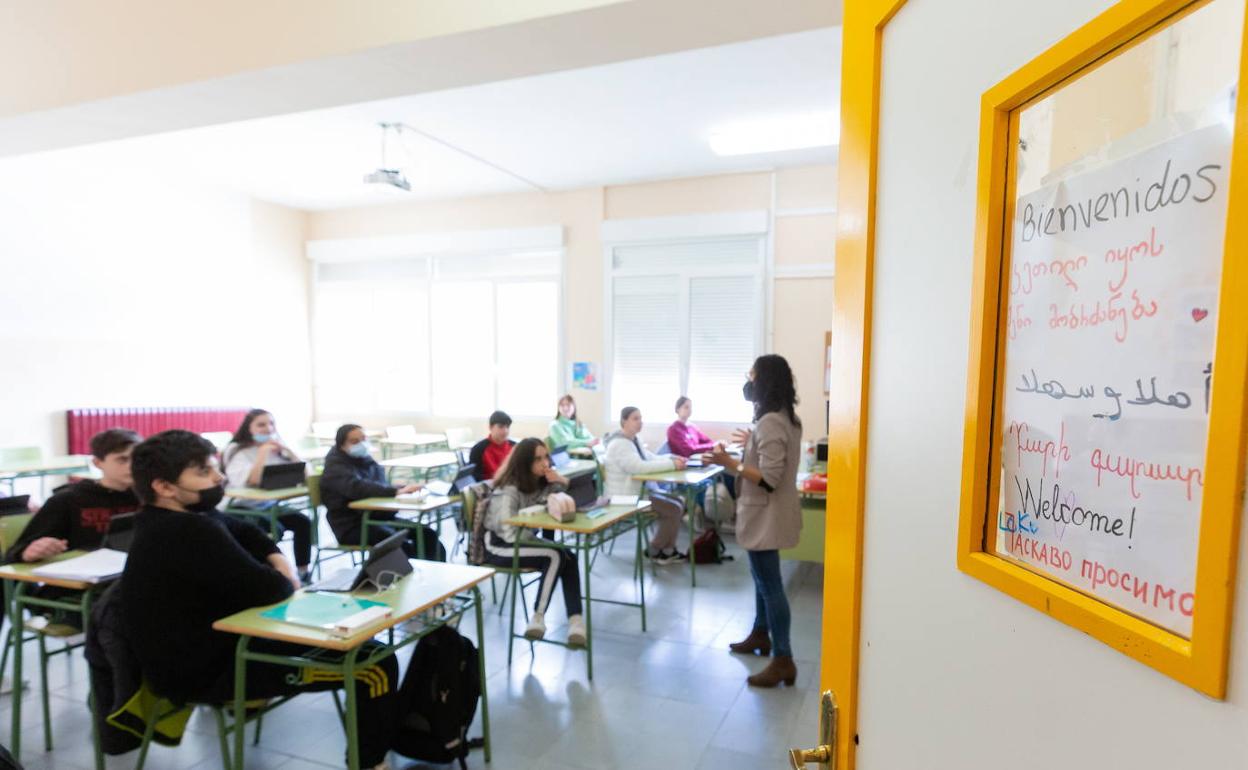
(682, 230)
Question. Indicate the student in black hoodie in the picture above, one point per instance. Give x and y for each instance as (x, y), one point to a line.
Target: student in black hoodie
(190, 566)
(77, 515)
(352, 474)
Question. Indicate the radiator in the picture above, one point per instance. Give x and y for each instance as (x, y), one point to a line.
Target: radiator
(82, 424)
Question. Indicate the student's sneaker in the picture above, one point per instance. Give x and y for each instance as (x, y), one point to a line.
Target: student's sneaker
(305, 576)
(670, 557)
(537, 627)
(576, 631)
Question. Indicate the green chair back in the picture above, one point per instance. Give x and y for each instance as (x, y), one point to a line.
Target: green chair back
(20, 454)
(11, 528)
(314, 490)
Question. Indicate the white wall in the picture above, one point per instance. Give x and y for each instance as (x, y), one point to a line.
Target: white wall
(122, 289)
(955, 674)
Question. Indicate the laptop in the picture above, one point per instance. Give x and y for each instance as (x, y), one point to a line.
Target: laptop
(284, 475)
(386, 563)
(560, 457)
(13, 505)
(120, 533)
(464, 478)
(694, 462)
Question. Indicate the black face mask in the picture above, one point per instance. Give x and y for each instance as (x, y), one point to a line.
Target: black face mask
(209, 499)
(747, 390)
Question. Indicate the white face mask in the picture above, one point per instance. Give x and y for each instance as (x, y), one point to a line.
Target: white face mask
(359, 450)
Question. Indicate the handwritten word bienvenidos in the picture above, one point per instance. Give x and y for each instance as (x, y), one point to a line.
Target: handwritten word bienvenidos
(1053, 508)
(1026, 273)
(1131, 468)
(1125, 255)
(1083, 316)
(1039, 221)
(1057, 451)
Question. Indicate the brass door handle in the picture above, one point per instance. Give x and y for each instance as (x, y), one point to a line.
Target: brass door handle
(825, 753)
(799, 758)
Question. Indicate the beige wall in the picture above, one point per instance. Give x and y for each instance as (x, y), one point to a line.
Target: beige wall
(803, 304)
(120, 289)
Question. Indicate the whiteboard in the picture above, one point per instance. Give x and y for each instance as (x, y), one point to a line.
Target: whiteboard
(1109, 336)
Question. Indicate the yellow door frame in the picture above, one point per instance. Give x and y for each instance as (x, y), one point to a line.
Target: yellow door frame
(861, 51)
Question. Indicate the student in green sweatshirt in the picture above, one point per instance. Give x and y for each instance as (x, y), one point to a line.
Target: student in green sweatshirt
(567, 429)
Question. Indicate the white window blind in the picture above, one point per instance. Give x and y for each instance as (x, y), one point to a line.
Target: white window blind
(455, 336)
(646, 351)
(723, 317)
(686, 320)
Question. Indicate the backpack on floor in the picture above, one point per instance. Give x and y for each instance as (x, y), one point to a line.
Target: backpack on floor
(438, 699)
(709, 548)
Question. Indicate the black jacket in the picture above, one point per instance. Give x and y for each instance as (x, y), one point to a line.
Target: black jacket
(346, 479)
(78, 513)
(185, 571)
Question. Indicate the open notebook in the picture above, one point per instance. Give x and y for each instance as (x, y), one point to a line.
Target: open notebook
(93, 567)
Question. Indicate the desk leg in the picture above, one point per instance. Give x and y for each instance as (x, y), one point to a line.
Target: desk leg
(240, 700)
(485, 697)
(691, 499)
(639, 568)
(15, 621)
(95, 733)
(353, 736)
(589, 613)
(515, 589)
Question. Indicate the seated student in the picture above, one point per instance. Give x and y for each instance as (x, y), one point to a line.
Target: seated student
(527, 479)
(77, 515)
(190, 566)
(627, 457)
(255, 445)
(352, 474)
(487, 455)
(684, 439)
(567, 429)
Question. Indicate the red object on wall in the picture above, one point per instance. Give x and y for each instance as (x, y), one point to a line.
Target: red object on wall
(82, 424)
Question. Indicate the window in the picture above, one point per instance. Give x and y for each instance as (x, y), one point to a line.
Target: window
(686, 319)
(455, 336)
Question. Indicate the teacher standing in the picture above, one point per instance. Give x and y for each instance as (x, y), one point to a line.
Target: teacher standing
(769, 514)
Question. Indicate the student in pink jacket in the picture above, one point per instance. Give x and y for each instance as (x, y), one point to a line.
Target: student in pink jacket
(683, 437)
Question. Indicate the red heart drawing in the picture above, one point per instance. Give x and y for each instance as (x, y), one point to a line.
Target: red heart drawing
(1199, 313)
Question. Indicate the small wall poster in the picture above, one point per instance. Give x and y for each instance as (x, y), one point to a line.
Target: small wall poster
(585, 375)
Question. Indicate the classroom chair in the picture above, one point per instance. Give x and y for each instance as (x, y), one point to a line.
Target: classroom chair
(10, 530)
(158, 708)
(469, 504)
(219, 438)
(355, 552)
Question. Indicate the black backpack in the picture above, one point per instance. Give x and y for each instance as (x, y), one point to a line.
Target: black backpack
(439, 699)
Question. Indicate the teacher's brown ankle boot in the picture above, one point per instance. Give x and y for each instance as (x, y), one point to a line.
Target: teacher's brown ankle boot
(780, 669)
(757, 642)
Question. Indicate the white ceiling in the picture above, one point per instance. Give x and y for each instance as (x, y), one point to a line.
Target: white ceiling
(610, 124)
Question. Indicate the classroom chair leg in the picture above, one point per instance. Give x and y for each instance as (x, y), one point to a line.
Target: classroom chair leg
(342, 716)
(47, 710)
(493, 591)
(511, 622)
(149, 728)
(259, 723)
(223, 736)
(506, 587)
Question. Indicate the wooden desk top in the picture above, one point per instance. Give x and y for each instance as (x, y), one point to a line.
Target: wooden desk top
(265, 495)
(414, 439)
(48, 465)
(424, 461)
(24, 573)
(431, 583)
(687, 476)
(582, 524)
(399, 506)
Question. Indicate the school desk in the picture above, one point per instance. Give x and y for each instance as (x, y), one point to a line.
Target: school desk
(690, 480)
(271, 512)
(421, 465)
(419, 442)
(589, 533)
(427, 587)
(403, 510)
(49, 466)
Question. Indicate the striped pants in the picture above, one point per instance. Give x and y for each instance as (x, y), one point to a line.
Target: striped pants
(554, 564)
(376, 691)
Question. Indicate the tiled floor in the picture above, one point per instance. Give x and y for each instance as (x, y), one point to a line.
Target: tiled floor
(671, 697)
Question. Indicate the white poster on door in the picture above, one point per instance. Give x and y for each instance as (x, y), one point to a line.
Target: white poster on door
(1109, 355)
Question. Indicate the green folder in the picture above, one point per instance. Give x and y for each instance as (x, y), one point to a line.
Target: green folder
(319, 610)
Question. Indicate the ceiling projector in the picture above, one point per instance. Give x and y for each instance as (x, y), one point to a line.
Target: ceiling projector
(389, 176)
